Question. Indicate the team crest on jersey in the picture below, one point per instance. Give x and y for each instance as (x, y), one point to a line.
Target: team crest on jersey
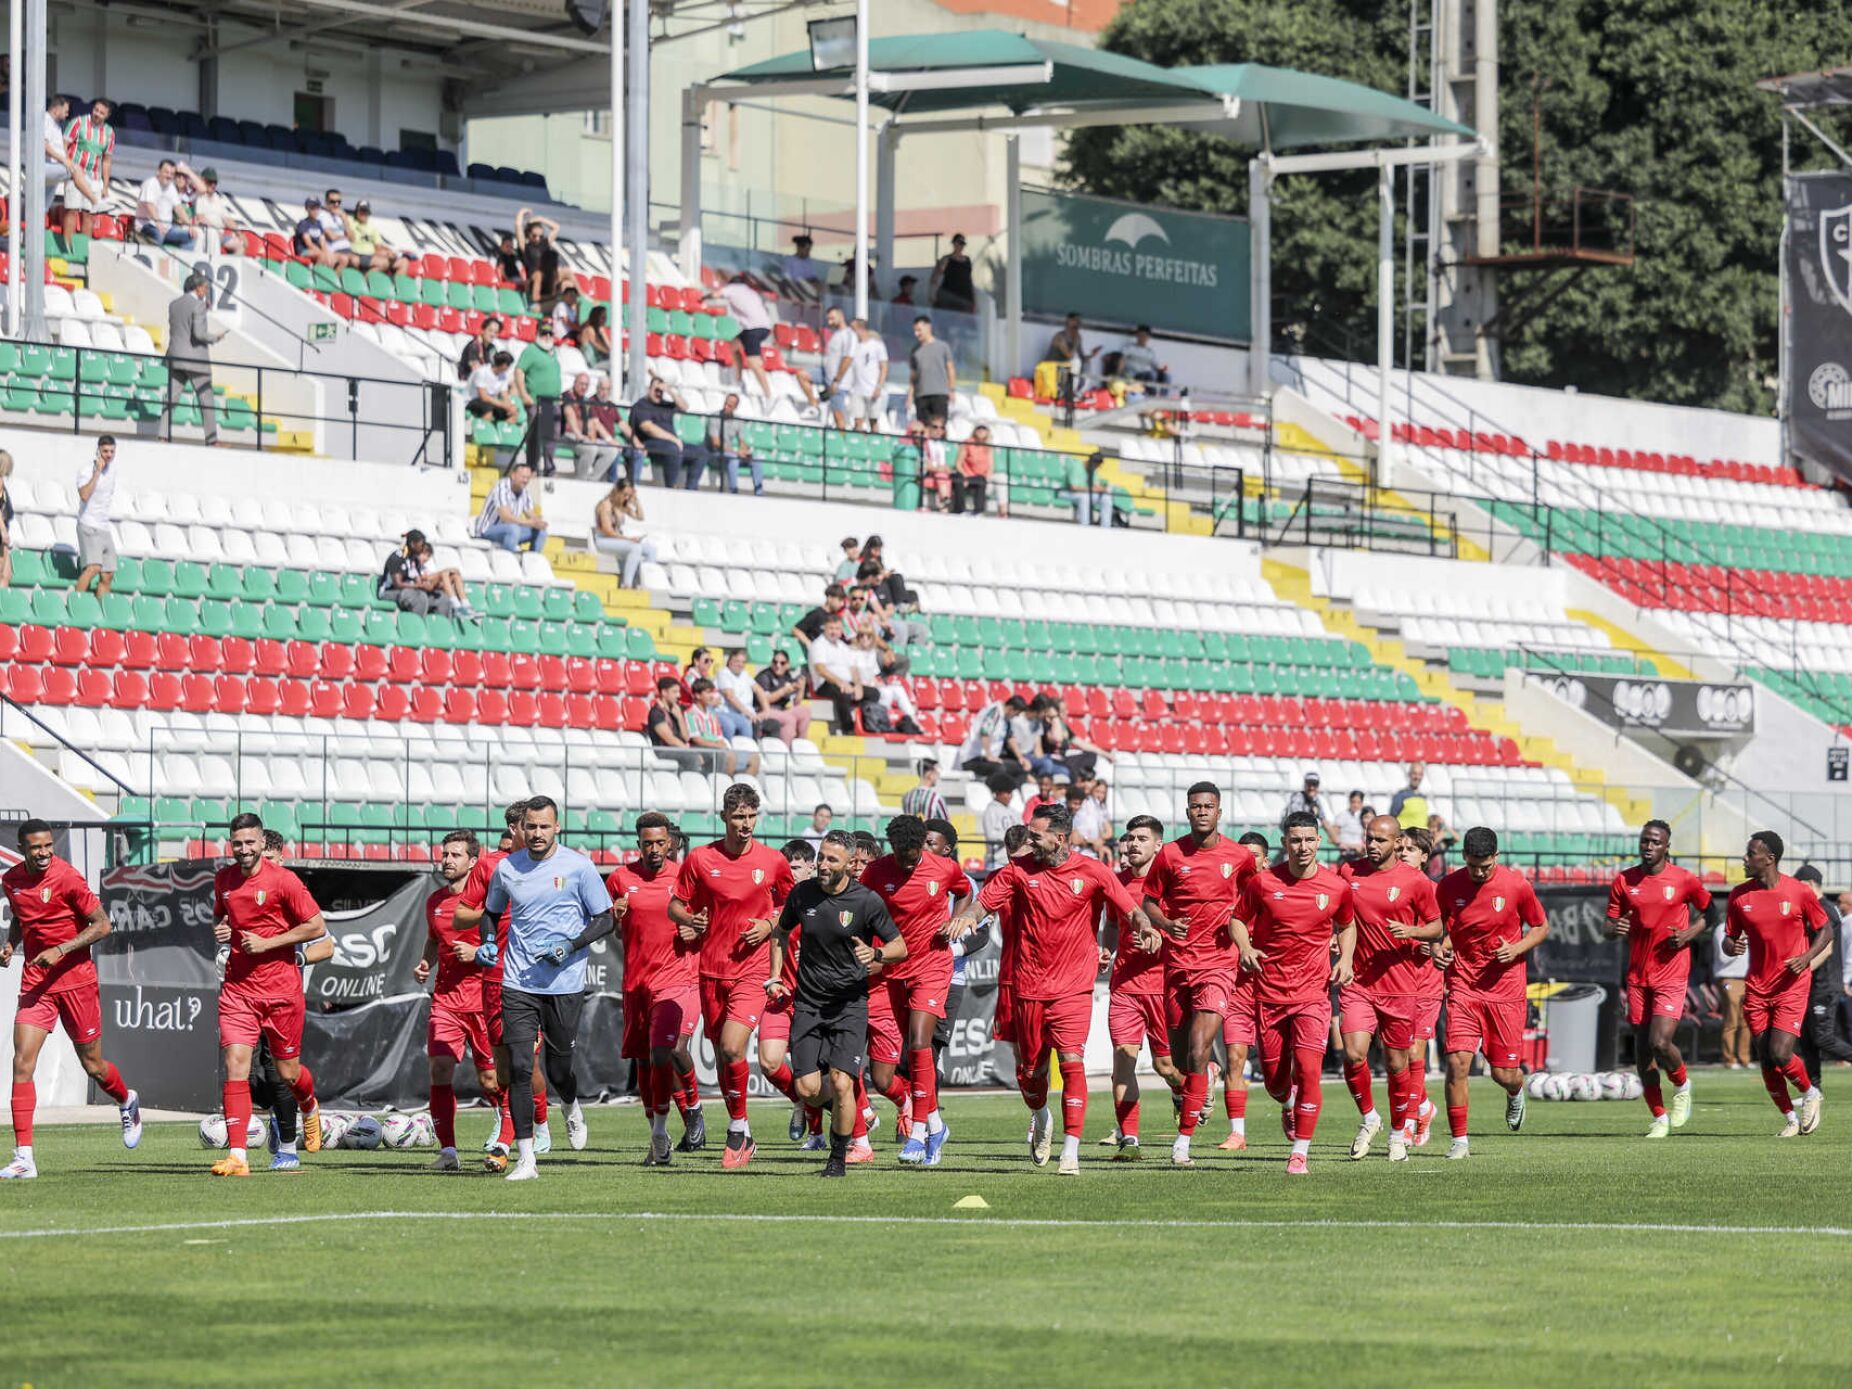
(1669, 890)
(261, 894)
(932, 888)
(846, 918)
(758, 876)
(1228, 870)
(559, 884)
(1078, 883)
(1784, 906)
(1394, 893)
(1498, 904)
(1324, 900)
(44, 894)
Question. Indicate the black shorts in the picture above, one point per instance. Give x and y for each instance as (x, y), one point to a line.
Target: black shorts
(833, 1039)
(932, 409)
(752, 339)
(527, 1017)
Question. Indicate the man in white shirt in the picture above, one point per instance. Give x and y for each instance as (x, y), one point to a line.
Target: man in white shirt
(160, 210)
(58, 163)
(334, 231)
(491, 387)
(738, 711)
(96, 495)
(834, 674)
(839, 345)
(867, 377)
(212, 210)
(1089, 815)
(747, 306)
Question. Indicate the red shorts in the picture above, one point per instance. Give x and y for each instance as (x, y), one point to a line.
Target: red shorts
(924, 992)
(1783, 1011)
(1388, 1017)
(1052, 1024)
(492, 1010)
(775, 1021)
(1654, 1001)
(1212, 991)
(1427, 1016)
(1138, 1019)
(1003, 1021)
(1493, 1027)
(886, 1044)
(450, 1029)
(243, 1018)
(78, 1010)
(1241, 1023)
(730, 1000)
(1286, 1028)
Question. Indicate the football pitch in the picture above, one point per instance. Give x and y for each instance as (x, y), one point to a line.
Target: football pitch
(1573, 1253)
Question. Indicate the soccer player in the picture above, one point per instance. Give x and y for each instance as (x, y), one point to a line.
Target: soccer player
(1054, 896)
(729, 892)
(942, 839)
(263, 912)
(922, 892)
(267, 1088)
(56, 919)
(456, 1019)
(554, 906)
(1493, 920)
(662, 996)
(1771, 916)
(1190, 894)
(1135, 1010)
(1282, 929)
(1658, 908)
(1415, 848)
(1396, 911)
(846, 933)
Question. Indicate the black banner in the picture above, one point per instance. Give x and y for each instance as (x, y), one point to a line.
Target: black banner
(1678, 708)
(1578, 949)
(1819, 282)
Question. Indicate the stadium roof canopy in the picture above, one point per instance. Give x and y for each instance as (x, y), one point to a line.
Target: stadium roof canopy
(1833, 87)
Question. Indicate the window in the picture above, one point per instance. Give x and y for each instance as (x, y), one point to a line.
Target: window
(314, 112)
(598, 123)
(417, 140)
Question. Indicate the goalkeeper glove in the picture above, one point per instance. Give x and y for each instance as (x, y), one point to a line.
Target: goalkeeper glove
(487, 953)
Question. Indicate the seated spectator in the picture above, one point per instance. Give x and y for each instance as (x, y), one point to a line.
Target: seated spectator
(6, 521)
(707, 729)
(511, 515)
(819, 825)
(834, 675)
(1026, 735)
(1346, 827)
(783, 714)
(1090, 830)
(652, 423)
(989, 750)
(1045, 795)
(508, 262)
(595, 336)
(480, 348)
(1138, 359)
(540, 256)
(492, 390)
(851, 559)
(595, 452)
(975, 461)
(369, 247)
(212, 210)
(810, 626)
(869, 660)
(935, 466)
(747, 307)
(739, 697)
(861, 615)
(1068, 347)
(161, 214)
(334, 231)
(615, 509)
(997, 820)
(410, 581)
(727, 447)
(566, 315)
(902, 714)
(666, 727)
(925, 800)
(1059, 742)
(700, 666)
(311, 239)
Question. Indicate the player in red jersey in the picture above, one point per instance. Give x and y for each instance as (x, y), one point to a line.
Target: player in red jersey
(1771, 916)
(262, 911)
(729, 892)
(1282, 928)
(1135, 993)
(662, 995)
(56, 919)
(1190, 894)
(456, 1020)
(1493, 920)
(1396, 912)
(1658, 908)
(1055, 897)
(922, 892)
(1415, 848)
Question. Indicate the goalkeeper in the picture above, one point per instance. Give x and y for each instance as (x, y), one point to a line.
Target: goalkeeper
(555, 906)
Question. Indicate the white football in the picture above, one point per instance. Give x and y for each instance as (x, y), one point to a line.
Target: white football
(1635, 1086)
(1556, 1086)
(334, 1128)
(1613, 1086)
(212, 1131)
(424, 1132)
(363, 1134)
(397, 1131)
(1584, 1087)
(256, 1131)
(1536, 1083)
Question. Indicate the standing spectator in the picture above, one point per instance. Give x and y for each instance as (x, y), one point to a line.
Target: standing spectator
(1732, 975)
(537, 382)
(511, 515)
(652, 423)
(539, 256)
(59, 166)
(615, 510)
(6, 521)
(595, 336)
(1305, 800)
(739, 697)
(782, 711)
(819, 826)
(833, 675)
(566, 315)
(311, 238)
(997, 819)
(1138, 359)
(975, 461)
(951, 286)
(1346, 827)
(1410, 804)
(480, 348)
(707, 728)
(925, 800)
(161, 214)
(727, 446)
(334, 232)
(839, 341)
(1442, 838)
(368, 246)
(90, 143)
(989, 749)
(96, 495)
(410, 581)
(934, 375)
(190, 336)
(491, 388)
(800, 267)
(868, 378)
(508, 262)
(666, 727)
(747, 307)
(212, 210)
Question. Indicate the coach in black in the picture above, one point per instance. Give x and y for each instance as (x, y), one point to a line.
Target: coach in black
(843, 930)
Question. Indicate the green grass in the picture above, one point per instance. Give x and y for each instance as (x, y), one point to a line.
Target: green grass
(1142, 1275)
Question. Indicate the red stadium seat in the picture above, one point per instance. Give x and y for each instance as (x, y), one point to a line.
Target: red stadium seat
(293, 698)
(238, 655)
(204, 656)
(107, 647)
(369, 662)
(325, 699)
(164, 691)
(357, 699)
(427, 705)
(138, 650)
(459, 706)
(228, 695)
(129, 690)
(402, 664)
(491, 708)
(261, 696)
(59, 686)
(93, 688)
(197, 695)
(69, 646)
(391, 703)
(269, 657)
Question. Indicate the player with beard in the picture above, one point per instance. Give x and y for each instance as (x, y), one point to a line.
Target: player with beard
(662, 996)
(1415, 848)
(456, 1021)
(267, 1088)
(1135, 1009)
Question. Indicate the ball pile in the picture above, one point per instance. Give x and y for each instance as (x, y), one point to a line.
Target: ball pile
(1602, 1085)
(212, 1132)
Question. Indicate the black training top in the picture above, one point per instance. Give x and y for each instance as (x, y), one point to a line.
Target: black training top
(828, 974)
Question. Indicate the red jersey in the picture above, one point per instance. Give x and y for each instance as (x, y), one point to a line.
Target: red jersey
(1382, 898)
(1200, 886)
(1480, 917)
(475, 894)
(655, 955)
(920, 903)
(268, 903)
(1290, 921)
(734, 891)
(1776, 920)
(1053, 910)
(1657, 904)
(459, 985)
(1134, 971)
(51, 908)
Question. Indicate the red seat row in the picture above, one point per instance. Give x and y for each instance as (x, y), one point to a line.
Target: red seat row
(1779, 594)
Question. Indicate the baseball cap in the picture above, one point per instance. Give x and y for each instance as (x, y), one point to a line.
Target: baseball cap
(311, 201)
(363, 206)
(209, 175)
(1312, 777)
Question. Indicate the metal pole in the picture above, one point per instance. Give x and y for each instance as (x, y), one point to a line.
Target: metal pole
(616, 365)
(861, 159)
(1260, 275)
(16, 156)
(688, 248)
(637, 137)
(1782, 408)
(884, 196)
(1385, 324)
(1012, 289)
(29, 260)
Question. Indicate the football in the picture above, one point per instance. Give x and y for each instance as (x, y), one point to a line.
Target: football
(1613, 1086)
(424, 1131)
(398, 1131)
(212, 1131)
(334, 1127)
(363, 1133)
(1635, 1086)
(1584, 1087)
(1536, 1084)
(1556, 1087)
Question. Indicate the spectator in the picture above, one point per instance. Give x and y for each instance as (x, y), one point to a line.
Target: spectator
(90, 144)
(934, 375)
(783, 713)
(833, 675)
(480, 348)
(96, 495)
(951, 286)
(925, 800)
(539, 255)
(799, 266)
(410, 581)
(334, 231)
(700, 664)
(869, 661)
(975, 461)
(1346, 827)
(161, 214)
(368, 245)
(810, 626)
(1045, 796)
(707, 728)
(820, 819)
(610, 419)
(190, 336)
(747, 307)
(492, 389)
(1305, 800)
(867, 400)
(933, 467)
(566, 315)
(616, 508)
(1089, 818)
(537, 382)
(595, 453)
(1410, 804)
(851, 558)
(652, 423)
(739, 702)
(1732, 975)
(508, 262)
(1060, 743)
(997, 819)
(212, 210)
(989, 749)
(847, 283)
(874, 606)
(59, 166)
(1138, 359)
(1443, 840)
(892, 587)
(1068, 347)
(311, 238)
(904, 294)
(511, 515)
(839, 341)
(6, 521)
(667, 730)
(595, 336)
(727, 446)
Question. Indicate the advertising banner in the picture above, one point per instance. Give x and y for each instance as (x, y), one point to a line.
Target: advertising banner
(1819, 285)
(1678, 708)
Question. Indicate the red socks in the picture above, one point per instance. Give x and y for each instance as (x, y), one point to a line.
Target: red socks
(735, 1079)
(1307, 1068)
(1655, 1097)
(690, 1097)
(1796, 1072)
(1034, 1088)
(1456, 1120)
(859, 1131)
(1397, 1085)
(1677, 1077)
(504, 1135)
(1125, 1114)
(540, 1087)
(898, 1093)
(1195, 1096)
(1234, 1095)
(444, 1114)
(1777, 1086)
(1357, 1078)
(1073, 1097)
(925, 1083)
(25, 1100)
(111, 1084)
(237, 1112)
(781, 1081)
(303, 1088)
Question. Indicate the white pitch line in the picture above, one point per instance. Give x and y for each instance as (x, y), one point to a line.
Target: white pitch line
(1006, 1222)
